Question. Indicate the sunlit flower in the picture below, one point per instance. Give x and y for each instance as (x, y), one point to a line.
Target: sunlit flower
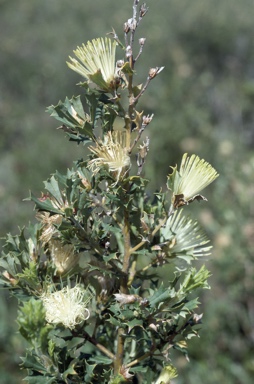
(168, 372)
(112, 154)
(194, 175)
(49, 225)
(67, 306)
(63, 256)
(96, 62)
(183, 238)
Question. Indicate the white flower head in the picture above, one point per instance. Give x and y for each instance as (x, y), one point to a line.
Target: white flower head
(112, 154)
(63, 256)
(67, 306)
(194, 175)
(96, 62)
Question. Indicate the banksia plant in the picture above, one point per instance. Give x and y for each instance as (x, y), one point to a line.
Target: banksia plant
(106, 280)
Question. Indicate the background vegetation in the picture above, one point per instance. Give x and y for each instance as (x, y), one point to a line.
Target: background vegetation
(203, 103)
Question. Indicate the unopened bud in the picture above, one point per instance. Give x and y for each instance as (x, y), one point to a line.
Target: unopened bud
(119, 63)
(143, 10)
(128, 51)
(132, 23)
(142, 41)
(155, 71)
(126, 27)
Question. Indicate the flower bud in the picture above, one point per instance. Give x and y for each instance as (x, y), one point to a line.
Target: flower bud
(128, 51)
(143, 10)
(126, 27)
(142, 41)
(155, 71)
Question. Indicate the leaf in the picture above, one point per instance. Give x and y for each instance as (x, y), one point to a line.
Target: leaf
(52, 187)
(134, 323)
(39, 380)
(44, 205)
(31, 362)
(89, 371)
(112, 320)
(161, 295)
(101, 360)
(69, 371)
(71, 114)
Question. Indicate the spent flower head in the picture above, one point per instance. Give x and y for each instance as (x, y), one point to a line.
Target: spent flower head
(67, 306)
(49, 225)
(63, 256)
(194, 175)
(112, 154)
(96, 62)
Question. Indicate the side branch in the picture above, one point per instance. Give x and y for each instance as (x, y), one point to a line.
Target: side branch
(93, 341)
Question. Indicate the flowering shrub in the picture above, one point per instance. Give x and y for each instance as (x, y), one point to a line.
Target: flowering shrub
(105, 280)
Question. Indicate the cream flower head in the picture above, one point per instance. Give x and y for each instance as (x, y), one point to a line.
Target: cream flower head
(111, 153)
(168, 372)
(67, 306)
(96, 62)
(194, 175)
(183, 238)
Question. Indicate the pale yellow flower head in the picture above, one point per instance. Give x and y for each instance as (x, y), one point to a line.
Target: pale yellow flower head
(168, 372)
(96, 62)
(63, 256)
(184, 238)
(112, 154)
(194, 175)
(67, 306)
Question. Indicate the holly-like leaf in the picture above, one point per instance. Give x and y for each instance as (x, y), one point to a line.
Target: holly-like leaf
(76, 123)
(161, 295)
(52, 187)
(44, 205)
(39, 380)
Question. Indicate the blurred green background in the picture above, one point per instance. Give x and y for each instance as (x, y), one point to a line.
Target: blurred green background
(203, 103)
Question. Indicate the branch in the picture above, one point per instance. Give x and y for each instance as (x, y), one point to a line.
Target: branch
(93, 341)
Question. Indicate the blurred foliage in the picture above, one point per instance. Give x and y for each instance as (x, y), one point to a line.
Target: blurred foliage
(203, 103)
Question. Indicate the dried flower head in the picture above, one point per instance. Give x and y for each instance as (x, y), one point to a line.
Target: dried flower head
(111, 153)
(194, 175)
(67, 306)
(63, 256)
(49, 224)
(96, 62)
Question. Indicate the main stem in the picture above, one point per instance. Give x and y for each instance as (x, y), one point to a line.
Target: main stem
(126, 220)
(123, 289)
